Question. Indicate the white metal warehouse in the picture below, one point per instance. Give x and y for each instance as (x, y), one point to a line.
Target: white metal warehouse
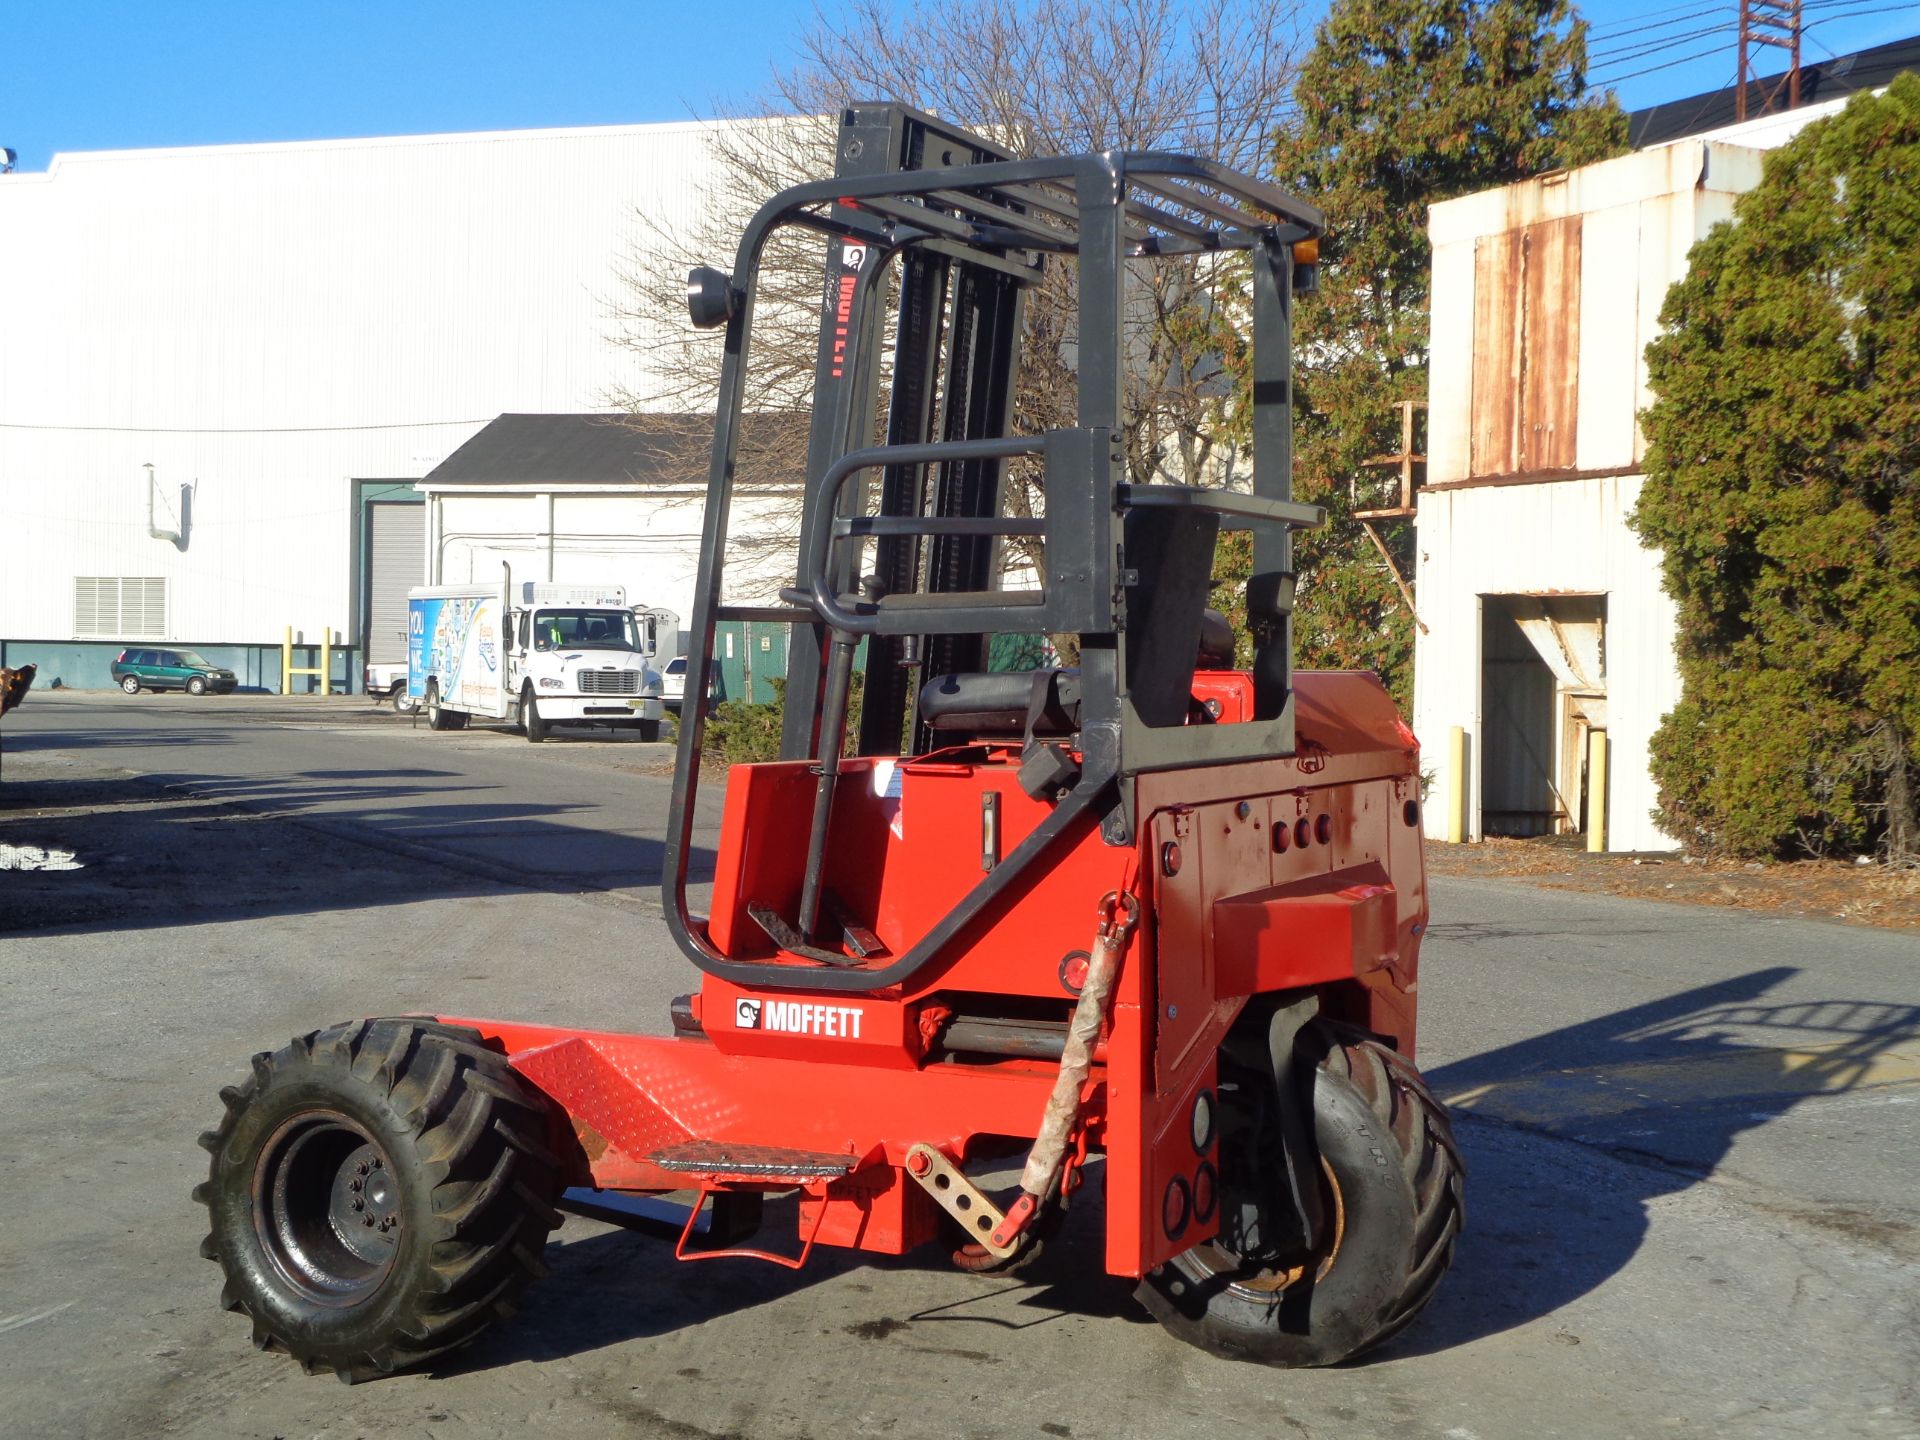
(221, 369)
(1545, 620)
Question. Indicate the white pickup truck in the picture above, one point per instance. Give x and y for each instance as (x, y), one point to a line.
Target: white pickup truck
(387, 680)
(535, 655)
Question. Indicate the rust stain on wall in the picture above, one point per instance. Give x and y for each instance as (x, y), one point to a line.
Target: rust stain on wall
(1526, 348)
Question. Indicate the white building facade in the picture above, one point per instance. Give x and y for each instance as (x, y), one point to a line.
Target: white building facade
(1545, 620)
(217, 364)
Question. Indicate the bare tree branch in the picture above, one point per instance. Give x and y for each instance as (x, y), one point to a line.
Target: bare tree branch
(1038, 77)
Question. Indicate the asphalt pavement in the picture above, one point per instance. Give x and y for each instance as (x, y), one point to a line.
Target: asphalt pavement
(1693, 1135)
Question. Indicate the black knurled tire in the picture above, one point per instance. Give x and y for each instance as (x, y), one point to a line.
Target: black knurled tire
(474, 1179)
(1430, 1156)
(1401, 1180)
(438, 716)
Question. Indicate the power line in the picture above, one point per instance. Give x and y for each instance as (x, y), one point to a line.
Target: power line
(1613, 60)
(1667, 24)
(1652, 69)
(1608, 73)
(1643, 15)
(1852, 14)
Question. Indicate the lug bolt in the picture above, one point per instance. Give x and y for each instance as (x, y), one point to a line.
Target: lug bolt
(353, 1185)
(359, 1205)
(361, 1167)
(378, 1163)
(368, 1222)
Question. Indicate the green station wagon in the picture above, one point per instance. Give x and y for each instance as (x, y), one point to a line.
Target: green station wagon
(170, 670)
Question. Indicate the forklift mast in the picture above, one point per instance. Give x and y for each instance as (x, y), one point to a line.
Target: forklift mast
(933, 238)
(956, 346)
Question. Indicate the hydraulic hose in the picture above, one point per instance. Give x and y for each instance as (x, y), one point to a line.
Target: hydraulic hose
(1119, 914)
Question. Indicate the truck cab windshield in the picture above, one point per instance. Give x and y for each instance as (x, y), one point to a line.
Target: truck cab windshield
(584, 630)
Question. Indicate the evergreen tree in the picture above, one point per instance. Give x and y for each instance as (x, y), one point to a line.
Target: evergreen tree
(1403, 103)
(1783, 489)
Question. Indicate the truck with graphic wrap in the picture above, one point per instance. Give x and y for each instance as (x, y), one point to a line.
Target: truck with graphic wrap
(534, 655)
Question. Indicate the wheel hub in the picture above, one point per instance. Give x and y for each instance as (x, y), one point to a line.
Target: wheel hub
(327, 1207)
(363, 1208)
(1268, 1278)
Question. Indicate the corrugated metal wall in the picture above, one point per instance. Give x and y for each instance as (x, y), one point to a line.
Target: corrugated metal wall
(1526, 327)
(1513, 339)
(269, 323)
(1539, 540)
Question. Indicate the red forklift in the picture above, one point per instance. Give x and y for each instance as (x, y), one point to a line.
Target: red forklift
(1149, 917)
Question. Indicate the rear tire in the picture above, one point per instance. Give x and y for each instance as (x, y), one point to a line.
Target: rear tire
(131, 685)
(439, 717)
(1393, 1226)
(420, 1134)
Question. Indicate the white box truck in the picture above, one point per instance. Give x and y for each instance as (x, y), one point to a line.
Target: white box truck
(534, 655)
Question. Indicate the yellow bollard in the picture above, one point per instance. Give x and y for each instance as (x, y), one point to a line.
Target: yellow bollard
(1457, 766)
(324, 670)
(1596, 790)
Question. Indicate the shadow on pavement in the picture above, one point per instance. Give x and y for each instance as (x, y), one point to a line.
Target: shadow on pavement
(172, 850)
(1669, 1087)
(617, 1285)
(24, 742)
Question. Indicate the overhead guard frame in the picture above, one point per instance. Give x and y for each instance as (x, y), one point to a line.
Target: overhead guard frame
(983, 227)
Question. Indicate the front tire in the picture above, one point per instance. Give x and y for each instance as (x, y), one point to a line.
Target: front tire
(196, 686)
(1394, 1183)
(131, 685)
(530, 720)
(649, 730)
(379, 1193)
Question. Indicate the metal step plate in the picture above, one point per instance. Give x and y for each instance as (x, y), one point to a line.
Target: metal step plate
(718, 1158)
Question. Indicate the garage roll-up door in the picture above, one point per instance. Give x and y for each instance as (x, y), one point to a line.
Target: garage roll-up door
(397, 536)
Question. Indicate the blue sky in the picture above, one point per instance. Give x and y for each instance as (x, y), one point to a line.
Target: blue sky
(112, 74)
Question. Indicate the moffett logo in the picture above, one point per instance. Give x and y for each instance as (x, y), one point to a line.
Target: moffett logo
(798, 1017)
(842, 318)
(853, 256)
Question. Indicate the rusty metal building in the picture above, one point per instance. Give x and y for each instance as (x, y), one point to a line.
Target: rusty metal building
(1545, 620)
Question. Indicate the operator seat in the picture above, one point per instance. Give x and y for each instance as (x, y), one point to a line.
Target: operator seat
(1002, 702)
(1037, 704)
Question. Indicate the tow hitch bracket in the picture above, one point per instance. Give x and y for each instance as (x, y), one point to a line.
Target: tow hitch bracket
(960, 1198)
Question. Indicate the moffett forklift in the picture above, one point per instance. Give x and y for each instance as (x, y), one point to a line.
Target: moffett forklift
(1150, 917)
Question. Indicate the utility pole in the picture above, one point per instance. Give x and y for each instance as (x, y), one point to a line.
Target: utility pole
(1768, 22)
